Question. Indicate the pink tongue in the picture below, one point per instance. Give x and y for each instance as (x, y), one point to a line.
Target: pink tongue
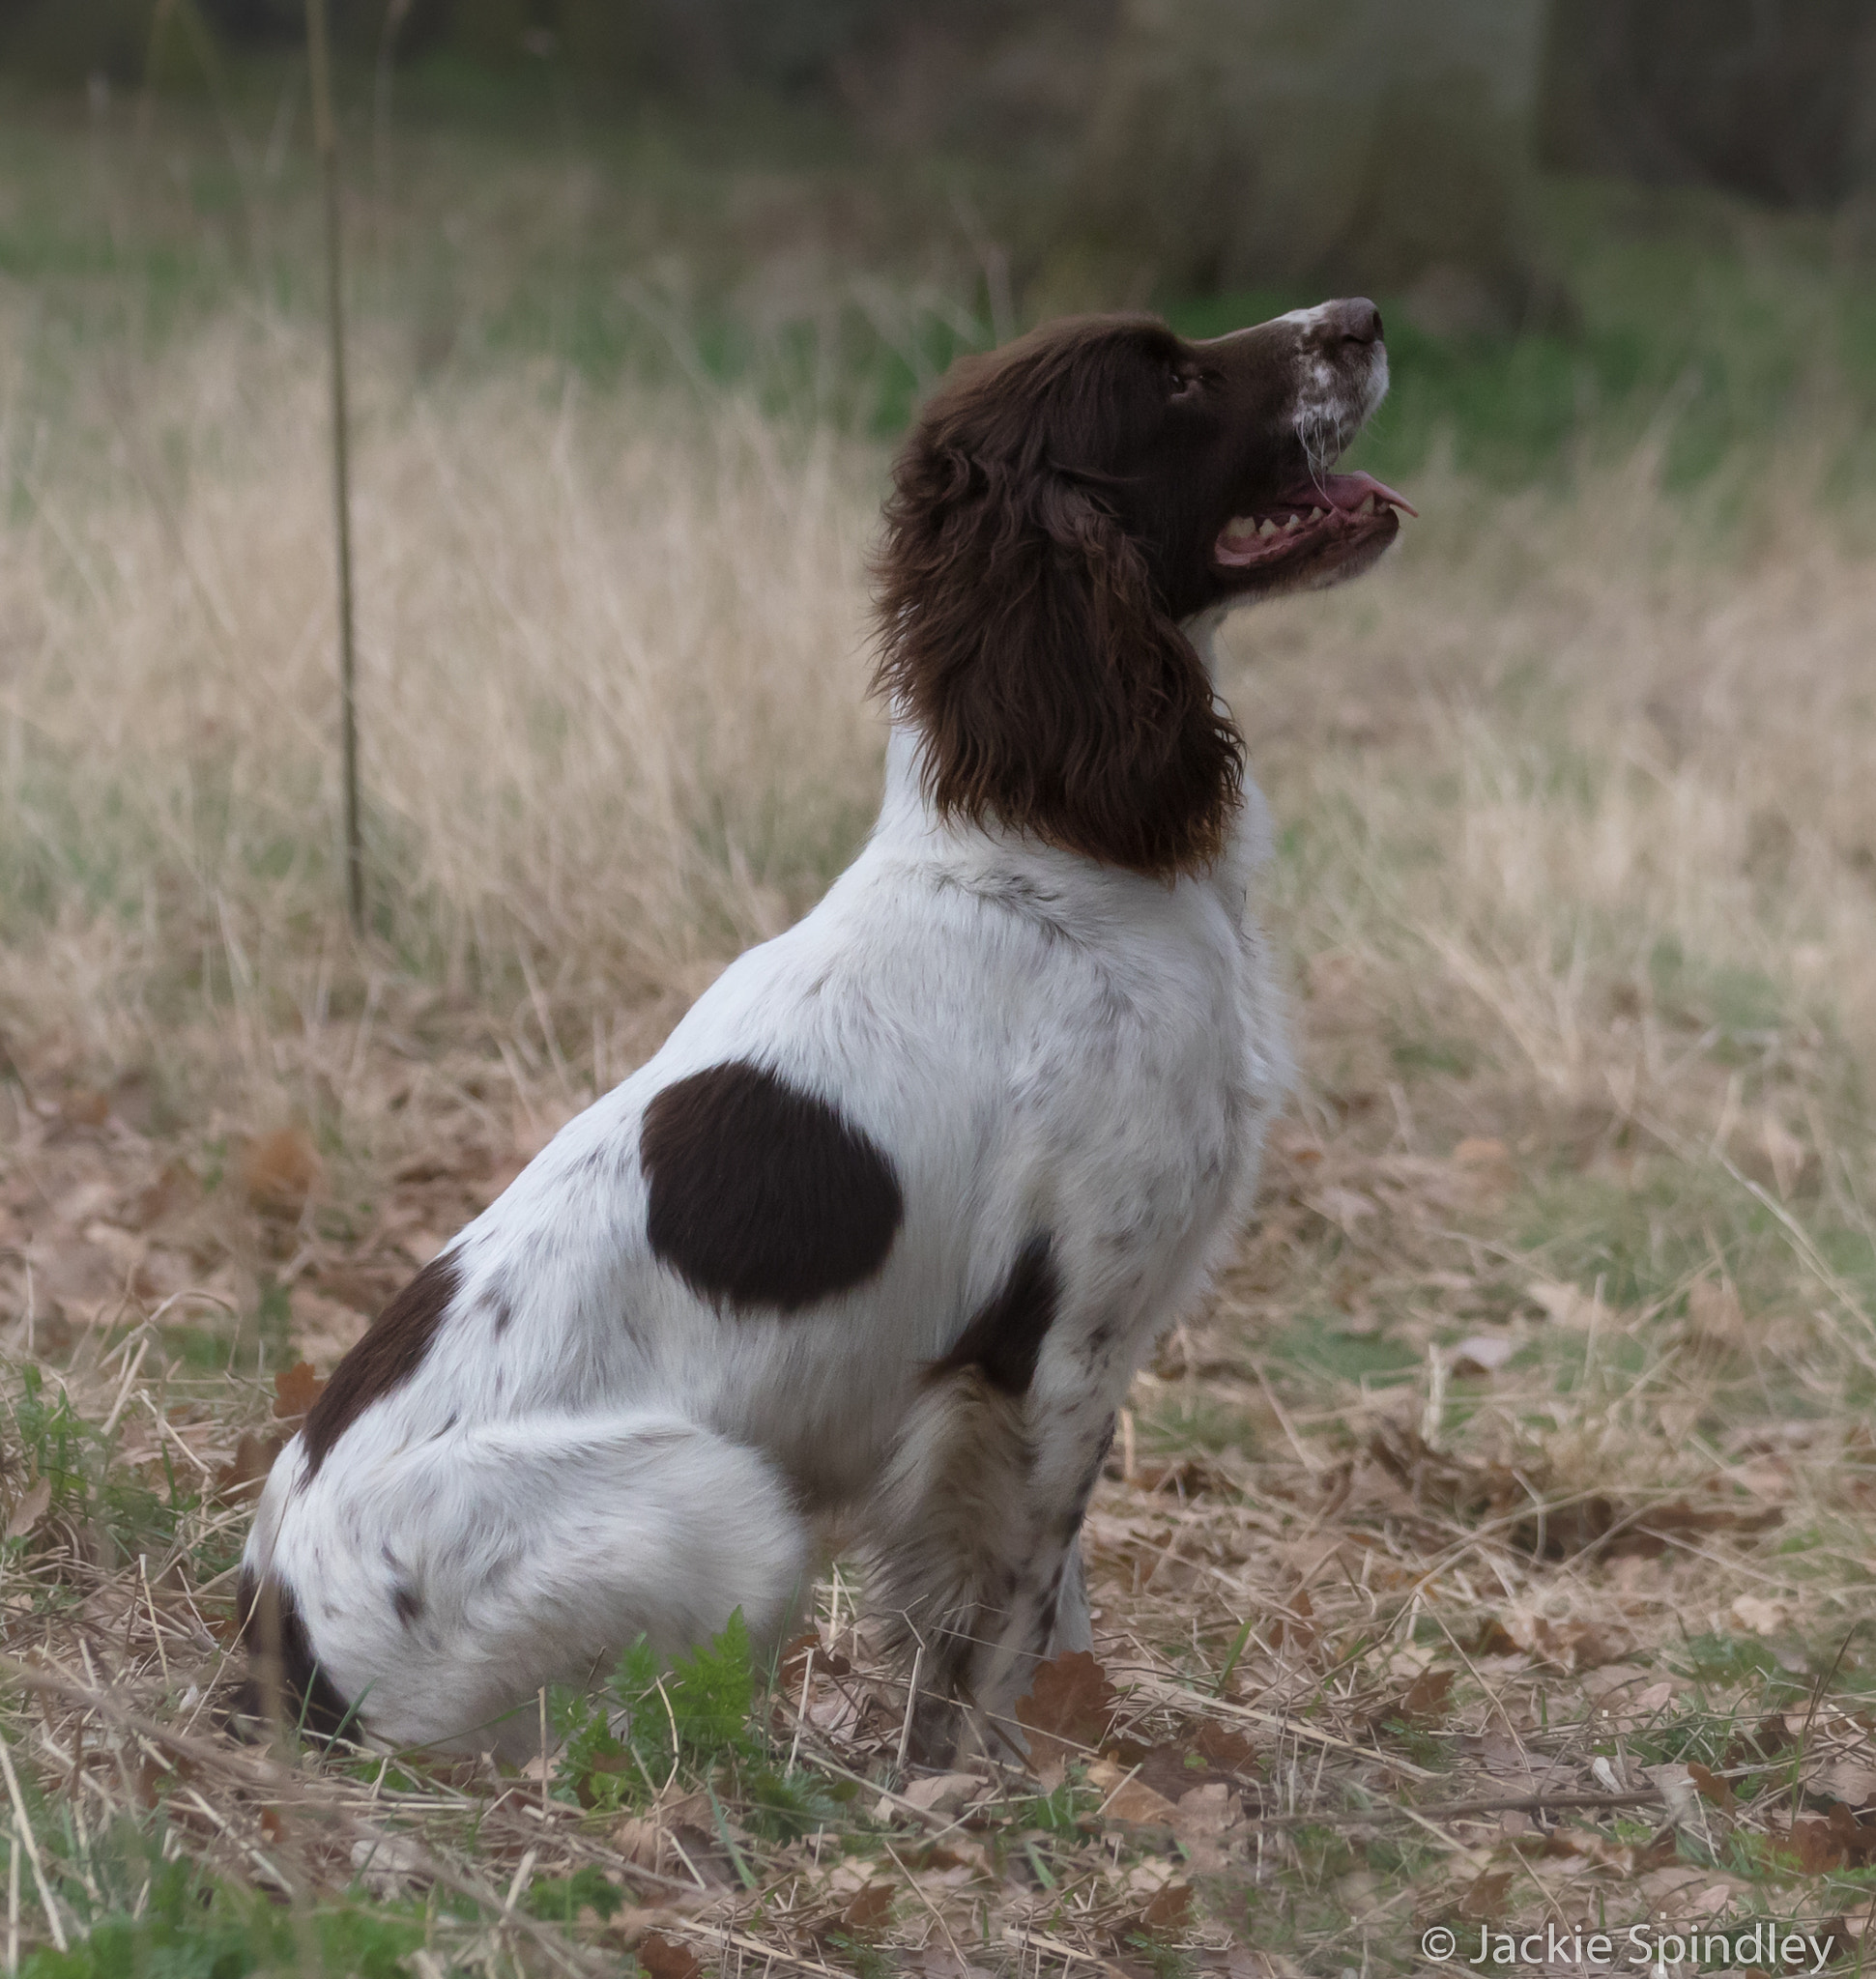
(1344, 490)
(1344, 493)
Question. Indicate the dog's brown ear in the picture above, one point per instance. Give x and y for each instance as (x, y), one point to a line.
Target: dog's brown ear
(1021, 635)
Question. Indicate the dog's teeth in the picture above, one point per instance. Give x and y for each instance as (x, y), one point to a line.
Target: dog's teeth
(1315, 515)
(1368, 505)
(1294, 522)
(1266, 528)
(1241, 526)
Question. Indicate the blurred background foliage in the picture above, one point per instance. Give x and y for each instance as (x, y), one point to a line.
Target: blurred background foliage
(1577, 213)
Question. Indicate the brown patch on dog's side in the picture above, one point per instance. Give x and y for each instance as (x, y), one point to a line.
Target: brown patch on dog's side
(761, 1195)
(387, 1357)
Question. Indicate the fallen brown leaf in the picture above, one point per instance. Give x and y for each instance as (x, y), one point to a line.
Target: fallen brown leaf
(1570, 1645)
(296, 1389)
(1179, 1478)
(1204, 1813)
(826, 1663)
(1493, 1639)
(280, 1170)
(1169, 1907)
(1425, 1698)
(1650, 1533)
(1229, 1751)
(1174, 1769)
(1130, 1799)
(1711, 1788)
(1550, 1529)
(245, 1472)
(872, 1909)
(943, 1793)
(85, 1107)
(641, 1841)
(1485, 1899)
(175, 1189)
(1830, 1841)
(1069, 1708)
(1298, 1627)
(34, 1503)
(663, 1958)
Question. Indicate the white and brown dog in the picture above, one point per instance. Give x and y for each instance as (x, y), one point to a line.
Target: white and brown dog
(885, 1228)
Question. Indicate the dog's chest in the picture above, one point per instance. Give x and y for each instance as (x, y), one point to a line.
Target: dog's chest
(1132, 1136)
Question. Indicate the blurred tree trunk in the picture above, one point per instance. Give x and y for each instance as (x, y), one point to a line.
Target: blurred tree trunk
(1772, 97)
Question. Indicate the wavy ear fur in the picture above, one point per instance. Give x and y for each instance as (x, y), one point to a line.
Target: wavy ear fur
(1022, 633)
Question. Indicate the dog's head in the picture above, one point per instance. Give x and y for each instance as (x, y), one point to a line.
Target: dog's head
(1064, 507)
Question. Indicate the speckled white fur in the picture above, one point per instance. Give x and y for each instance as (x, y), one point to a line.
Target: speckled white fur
(1326, 417)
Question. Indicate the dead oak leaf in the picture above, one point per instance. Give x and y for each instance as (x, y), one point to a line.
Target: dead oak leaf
(944, 1793)
(245, 1472)
(871, 1910)
(1130, 1799)
(1485, 1898)
(280, 1170)
(1344, 1208)
(1426, 1698)
(1836, 1841)
(1297, 1627)
(1172, 1768)
(663, 1958)
(1426, 1701)
(1649, 1533)
(1180, 1479)
(1567, 1645)
(1207, 1812)
(1068, 1710)
(1710, 1785)
(1494, 1638)
(795, 1656)
(1169, 1907)
(173, 1189)
(940, 1961)
(296, 1389)
(1231, 1752)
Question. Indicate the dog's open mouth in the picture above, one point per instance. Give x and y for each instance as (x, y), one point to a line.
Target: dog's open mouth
(1329, 512)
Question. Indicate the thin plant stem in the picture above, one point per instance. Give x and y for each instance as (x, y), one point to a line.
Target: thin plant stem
(326, 144)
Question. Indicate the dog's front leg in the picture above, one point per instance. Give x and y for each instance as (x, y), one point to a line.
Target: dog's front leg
(972, 1547)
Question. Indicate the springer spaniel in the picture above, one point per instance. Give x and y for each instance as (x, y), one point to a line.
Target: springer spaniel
(887, 1225)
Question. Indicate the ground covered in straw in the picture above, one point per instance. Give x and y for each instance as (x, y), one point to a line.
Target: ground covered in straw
(1490, 1554)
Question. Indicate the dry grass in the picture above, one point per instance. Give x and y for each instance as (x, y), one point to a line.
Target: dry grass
(1492, 1546)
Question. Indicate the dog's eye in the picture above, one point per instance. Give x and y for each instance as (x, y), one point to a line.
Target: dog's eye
(1183, 382)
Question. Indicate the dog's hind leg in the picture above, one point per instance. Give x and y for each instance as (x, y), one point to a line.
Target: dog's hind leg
(439, 1586)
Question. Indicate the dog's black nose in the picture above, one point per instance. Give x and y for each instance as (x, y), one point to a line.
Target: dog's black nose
(1355, 320)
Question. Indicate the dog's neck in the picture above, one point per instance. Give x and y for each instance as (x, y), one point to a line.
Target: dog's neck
(1201, 632)
(908, 824)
